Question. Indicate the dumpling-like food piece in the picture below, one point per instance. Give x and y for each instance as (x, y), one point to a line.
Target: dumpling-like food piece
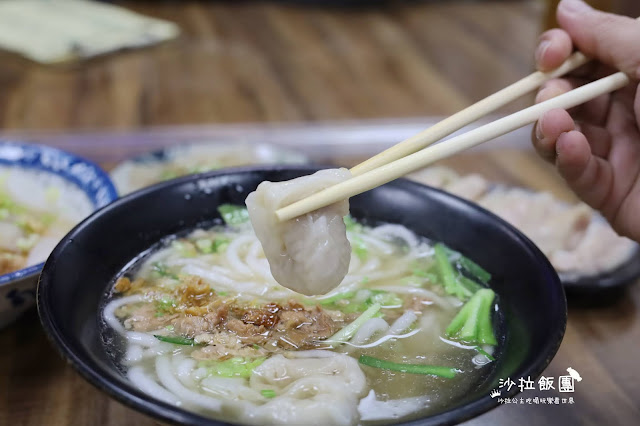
(309, 254)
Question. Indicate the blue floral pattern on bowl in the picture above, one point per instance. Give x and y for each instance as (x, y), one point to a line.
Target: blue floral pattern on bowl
(17, 289)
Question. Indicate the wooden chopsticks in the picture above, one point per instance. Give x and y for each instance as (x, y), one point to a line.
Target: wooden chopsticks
(407, 157)
(468, 115)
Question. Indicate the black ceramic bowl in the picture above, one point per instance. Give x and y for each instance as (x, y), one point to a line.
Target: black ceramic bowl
(80, 269)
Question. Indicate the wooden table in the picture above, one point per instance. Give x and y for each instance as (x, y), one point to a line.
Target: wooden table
(270, 63)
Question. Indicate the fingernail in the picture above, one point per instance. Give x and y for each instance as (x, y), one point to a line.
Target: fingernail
(539, 134)
(574, 6)
(542, 48)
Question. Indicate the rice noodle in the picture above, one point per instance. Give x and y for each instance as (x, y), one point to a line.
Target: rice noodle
(169, 381)
(398, 232)
(384, 339)
(143, 339)
(377, 243)
(259, 266)
(147, 385)
(403, 323)
(133, 354)
(109, 311)
(368, 329)
(313, 353)
(233, 257)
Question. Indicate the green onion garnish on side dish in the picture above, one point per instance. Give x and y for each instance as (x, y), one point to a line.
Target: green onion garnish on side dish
(268, 393)
(433, 370)
(176, 340)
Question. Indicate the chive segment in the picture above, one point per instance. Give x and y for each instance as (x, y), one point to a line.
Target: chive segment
(348, 332)
(433, 370)
(472, 324)
(268, 393)
(447, 274)
(176, 340)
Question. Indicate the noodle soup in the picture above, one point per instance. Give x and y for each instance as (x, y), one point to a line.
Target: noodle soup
(409, 331)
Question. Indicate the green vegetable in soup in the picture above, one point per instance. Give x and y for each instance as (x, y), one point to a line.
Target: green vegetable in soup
(348, 332)
(448, 274)
(233, 367)
(360, 248)
(472, 268)
(208, 245)
(485, 353)
(233, 215)
(268, 393)
(433, 370)
(352, 225)
(184, 248)
(162, 270)
(176, 340)
(473, 323)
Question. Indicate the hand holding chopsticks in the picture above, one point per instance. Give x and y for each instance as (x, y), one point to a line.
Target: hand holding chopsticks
(406, 156)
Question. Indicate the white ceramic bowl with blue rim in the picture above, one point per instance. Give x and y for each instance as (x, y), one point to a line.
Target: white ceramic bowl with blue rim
(18, 288)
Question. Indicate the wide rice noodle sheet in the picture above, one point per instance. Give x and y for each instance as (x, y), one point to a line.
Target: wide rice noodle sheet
(310, 391)
(309, 254)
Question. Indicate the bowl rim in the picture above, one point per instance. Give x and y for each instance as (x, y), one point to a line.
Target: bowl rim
(31, 159)
(141, 402)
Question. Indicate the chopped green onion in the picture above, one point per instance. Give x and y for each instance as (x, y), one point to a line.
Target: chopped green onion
(351, 224)
(161, 269)
(385, 299)
(433, 370)
(337, 297)
(256, 347)
(268, 393)
(473, 323)
(169, 174)
(205, 245)
(164, 306)
(234, 367)
(233, 215)
(27, 243)
(347, 332)
(52, 194)
(184, 248)
(360, 248)
(176, 340)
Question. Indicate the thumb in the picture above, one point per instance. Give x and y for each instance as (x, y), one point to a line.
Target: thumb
(612, 39)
